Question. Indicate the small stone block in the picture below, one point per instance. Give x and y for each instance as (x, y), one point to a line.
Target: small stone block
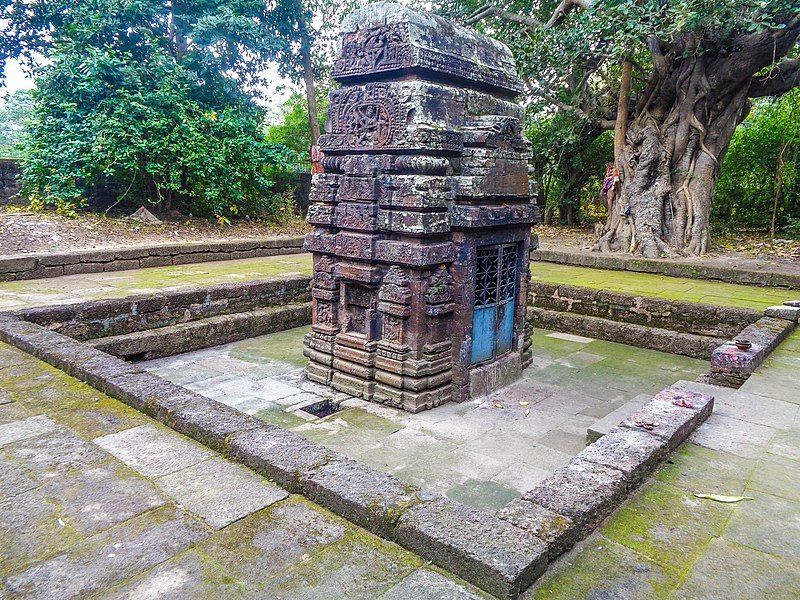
(211, 422)
(278, 454)
(788, 312)
(683, 398)
(482, 549)
(551, 527)
(362, 495)
(663, 418)
(634, 452)
(584, 491)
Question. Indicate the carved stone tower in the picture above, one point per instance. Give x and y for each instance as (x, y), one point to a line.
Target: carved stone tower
(422, 217)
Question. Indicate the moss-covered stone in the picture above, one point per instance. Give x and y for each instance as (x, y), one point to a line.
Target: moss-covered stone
(667, 525)
(600, 568)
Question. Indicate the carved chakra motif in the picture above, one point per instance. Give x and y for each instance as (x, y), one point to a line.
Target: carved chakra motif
(364, 118)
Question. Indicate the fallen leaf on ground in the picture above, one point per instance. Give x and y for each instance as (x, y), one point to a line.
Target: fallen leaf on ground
(522, 403)
(723, 498)
(498, 405)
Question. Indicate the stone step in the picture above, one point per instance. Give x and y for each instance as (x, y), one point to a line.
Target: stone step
(640, 336)
(204, 333)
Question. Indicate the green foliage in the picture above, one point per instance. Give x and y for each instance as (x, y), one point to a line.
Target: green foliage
(572, 70)
(291, 129)
(746, 189)
(151, 99)
(15, 111)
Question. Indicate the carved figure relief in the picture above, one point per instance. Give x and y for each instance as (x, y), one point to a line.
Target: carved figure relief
(377, 49)
(364, 118)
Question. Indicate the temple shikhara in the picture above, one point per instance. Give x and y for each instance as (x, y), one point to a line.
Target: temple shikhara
(422, 217)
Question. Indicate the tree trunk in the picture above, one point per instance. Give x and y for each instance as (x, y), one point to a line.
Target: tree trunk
(670, 163)
(308, 78)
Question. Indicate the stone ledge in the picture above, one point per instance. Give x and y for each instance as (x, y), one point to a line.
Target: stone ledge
(120, 316)
(566, 506)
(669, 267)
(204, 333)
(44, 265)
(675, 315)
(731, 366)
(640, 336)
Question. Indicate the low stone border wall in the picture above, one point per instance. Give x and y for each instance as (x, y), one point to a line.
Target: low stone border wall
(640, 336)
(502, 553)
(667, 266)
(120, 316)
(38, 266)
(570, 503)
(731, 366)
(686, 317)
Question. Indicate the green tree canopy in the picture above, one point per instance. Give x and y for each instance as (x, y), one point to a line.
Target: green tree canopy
(154, 97)
(672, 78)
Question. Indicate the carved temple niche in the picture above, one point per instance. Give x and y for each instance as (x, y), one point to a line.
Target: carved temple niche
(425, 199)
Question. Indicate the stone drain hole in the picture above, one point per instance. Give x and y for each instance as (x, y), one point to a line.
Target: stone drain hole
(322, 408)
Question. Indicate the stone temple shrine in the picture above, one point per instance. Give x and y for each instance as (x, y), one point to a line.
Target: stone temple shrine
(422, 217)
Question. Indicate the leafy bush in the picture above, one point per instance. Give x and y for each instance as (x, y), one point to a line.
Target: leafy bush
(746, 192)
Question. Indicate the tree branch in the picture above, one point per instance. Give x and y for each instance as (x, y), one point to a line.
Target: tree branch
(782, 77)
(559, 14)
(489, 10)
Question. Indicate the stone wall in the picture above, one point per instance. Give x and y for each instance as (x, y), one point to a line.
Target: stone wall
(685, 317)
(9, 179)
(39, 266)
(114, 317)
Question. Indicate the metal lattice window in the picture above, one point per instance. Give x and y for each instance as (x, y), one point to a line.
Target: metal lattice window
(495, 274)
(486, 275)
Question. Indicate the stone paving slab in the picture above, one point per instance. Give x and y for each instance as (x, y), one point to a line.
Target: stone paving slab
(729, 570)
(220, 492)
(486, 456)
(109, 557)
(153, 452)
(424, 584)
(22, 430)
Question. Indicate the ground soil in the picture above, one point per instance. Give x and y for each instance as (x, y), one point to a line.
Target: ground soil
(22, 231)
(746, 250)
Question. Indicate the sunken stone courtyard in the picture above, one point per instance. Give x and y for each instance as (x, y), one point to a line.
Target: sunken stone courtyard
(414, 401)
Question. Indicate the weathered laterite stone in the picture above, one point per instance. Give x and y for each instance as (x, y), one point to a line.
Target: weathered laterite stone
(422, 218)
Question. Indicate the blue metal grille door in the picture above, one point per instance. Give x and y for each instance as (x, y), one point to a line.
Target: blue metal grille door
(495, 301)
